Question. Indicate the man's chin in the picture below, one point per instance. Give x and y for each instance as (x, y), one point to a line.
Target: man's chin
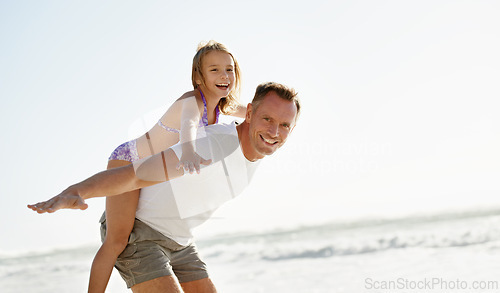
(267, 151)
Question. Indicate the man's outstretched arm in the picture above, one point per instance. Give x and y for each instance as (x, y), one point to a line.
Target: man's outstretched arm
(156, 169)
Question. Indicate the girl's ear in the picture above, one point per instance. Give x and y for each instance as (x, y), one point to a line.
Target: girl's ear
(198, 78)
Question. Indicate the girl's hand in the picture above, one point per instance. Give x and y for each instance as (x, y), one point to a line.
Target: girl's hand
(191, 161)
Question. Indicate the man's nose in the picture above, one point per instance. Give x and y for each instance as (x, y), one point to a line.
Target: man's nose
(273, 130)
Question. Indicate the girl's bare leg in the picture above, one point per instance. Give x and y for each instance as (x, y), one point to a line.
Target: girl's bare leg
(120, 216)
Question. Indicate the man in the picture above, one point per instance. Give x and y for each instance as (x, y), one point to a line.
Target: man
(160, 245)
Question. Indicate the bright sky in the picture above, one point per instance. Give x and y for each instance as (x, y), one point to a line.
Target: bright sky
(400, 104)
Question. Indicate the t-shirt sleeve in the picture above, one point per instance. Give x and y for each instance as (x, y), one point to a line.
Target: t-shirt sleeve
(212, 143)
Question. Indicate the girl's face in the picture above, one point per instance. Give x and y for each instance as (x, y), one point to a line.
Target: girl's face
(218, 71)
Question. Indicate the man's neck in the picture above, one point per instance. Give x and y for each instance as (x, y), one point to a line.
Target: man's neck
(246, 147)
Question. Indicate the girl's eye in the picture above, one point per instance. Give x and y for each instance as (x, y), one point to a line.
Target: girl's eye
(230, 70)
(213, 70)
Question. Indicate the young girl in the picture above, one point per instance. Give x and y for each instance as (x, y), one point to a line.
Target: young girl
(215, 77)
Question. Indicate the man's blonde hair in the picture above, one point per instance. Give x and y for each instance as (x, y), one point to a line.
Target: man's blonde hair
(281, 90)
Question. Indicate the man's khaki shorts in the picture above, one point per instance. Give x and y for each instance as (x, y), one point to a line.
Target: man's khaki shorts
(150, 255)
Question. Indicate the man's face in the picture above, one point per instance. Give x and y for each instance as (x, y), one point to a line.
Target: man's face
(270, 124)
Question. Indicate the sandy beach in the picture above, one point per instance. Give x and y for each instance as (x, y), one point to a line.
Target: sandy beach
(444, 253)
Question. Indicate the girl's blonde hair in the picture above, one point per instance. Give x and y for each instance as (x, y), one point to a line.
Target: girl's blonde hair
(227, 105)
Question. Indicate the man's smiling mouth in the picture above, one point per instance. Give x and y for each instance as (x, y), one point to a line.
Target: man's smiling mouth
(269, 141)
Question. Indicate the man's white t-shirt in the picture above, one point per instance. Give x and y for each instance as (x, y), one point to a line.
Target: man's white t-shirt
(175, 207)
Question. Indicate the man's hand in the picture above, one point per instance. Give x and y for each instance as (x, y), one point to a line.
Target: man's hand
(65, 200)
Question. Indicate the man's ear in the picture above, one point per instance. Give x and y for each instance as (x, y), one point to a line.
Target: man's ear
(248, 115)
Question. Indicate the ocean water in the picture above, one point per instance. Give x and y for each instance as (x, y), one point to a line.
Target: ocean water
(454, 252)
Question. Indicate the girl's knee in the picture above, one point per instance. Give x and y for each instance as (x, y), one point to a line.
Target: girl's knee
(116, 243)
